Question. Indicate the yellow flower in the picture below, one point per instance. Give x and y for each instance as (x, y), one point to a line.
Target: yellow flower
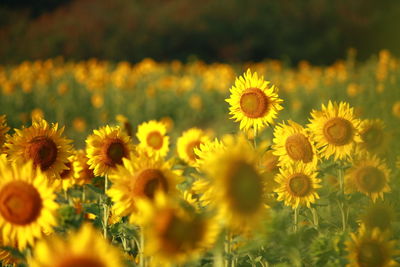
(82, 172)
(3, 130)
(106, 148)
(335, 130)
(190, 140)
(174, 235)
(293, 144)
(368, 175)
(205, 150)
(253, 102)
(371, 248)
(152, 138)
(236, 186)
(125, 124)
(79, 124)
(140, 177)
(83, 248)
(27, 205)
(373, 136)
(66, 179)
(43, 144)
(297, 185)
(396, 109)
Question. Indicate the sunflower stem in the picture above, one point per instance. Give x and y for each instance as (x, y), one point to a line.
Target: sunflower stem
(142, 259)
(255, 138)
(106, 208)
(228, 249)
(341, 201)
(296, 219)
(315, 217)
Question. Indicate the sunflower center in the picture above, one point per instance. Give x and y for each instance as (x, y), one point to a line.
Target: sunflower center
(20, 203)
(371, 255)
(148, 182)
(299, 185)
(254, 103)
(43, 151)
(370, 179)
(190, 149)
(372, 138)
(114, 152)
(66, 173)
(299, 148)
(155, 140)
(81, 261)
(178, 234)
(245, 188)
(338, 131)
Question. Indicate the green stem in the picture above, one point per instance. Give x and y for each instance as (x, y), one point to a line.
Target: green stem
(296, 219)
(106, 212)
(315, 217)
(255, 138)
(341, 202)
(142, 259)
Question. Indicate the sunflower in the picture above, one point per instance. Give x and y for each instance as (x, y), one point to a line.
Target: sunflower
(269, 161)
(3, 130)
(125, 124)
(380, 215)
(27, 205)
(82, 172)
(86, 247)
(297, 185)
(140, 177)
(7, 258)
(253, 102)
(174, 235)
(106, 148)
(293, 144)
(368, 175)
(205, 150)
(236, 185)
(190, 140)
(66, 179)
(152, 138)
(371, 248)
(374, 137)
(335, 130)
(43, 144)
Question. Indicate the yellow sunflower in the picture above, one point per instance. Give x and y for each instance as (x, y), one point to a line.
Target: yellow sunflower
(140, 177)
(253, 102)
(374, 137)
(380, 215)
(205, 150)
(293, 144)
(297, 185)
(335, 130)
(371, 248)
(125, 124)
(174, 235)
(190, 140)
(106, 148)
(27, 205)
(43, 144)
(3, 130)
(236, 185)
(82, 172)
(66, 179)
(368, 175)
(86, 248)
(152, 138)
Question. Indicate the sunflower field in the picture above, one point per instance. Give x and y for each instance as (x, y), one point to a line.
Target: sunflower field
(106, 164)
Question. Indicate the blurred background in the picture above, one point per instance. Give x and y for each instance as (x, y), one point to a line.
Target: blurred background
(319, 31)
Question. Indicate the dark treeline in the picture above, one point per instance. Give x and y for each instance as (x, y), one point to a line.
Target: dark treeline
(320, 31)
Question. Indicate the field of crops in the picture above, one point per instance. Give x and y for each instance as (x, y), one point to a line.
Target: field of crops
(108, 164)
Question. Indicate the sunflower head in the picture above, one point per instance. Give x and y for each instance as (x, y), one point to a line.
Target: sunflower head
(371, 248)
(253, 102)
(83, 248)
(335, 130)
(368, 175)
(152, 138)
(82, 172)
(236, 186)
(293, 144)
(140, 177)
(106, 148)
(43, 144)
(373, 135)
(188, 142)
(27, 205)
(297, 185)
(175, 234)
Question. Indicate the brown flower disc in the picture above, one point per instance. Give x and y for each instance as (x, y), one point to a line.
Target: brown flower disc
(254, 103)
